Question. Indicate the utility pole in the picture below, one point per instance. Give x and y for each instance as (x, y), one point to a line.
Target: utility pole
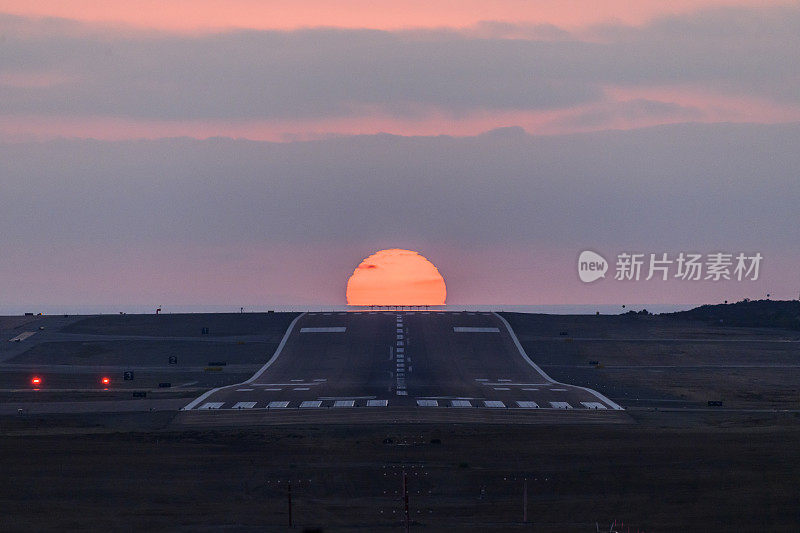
(525, 501)
(405, 500)
(289, 495)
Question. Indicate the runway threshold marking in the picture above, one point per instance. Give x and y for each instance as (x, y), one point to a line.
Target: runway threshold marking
(337, 329)
(311, 403)
(428, 403)
(494, 403)
(277, 405)
(593, 405)
(527, 404)
(211, 405)
(22, 336)
(377, 403)
(244, 405)
(561, 405)
(344, 403)
(460, 403)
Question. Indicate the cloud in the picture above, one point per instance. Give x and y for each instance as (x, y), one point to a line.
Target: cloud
(678, 185)
(319, 73)
(502, 215)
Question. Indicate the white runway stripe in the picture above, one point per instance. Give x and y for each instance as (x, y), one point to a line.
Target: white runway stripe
(561, 405)
(428, 403)
(494, 403)
(277, 405)
(467, 329)
(311, 403)
(344, 403)
(323, 330)
(244, 390)
(527, 405)
(244, 405)
(594, 405)
(461, 403)
(211, 405)
(377, 403)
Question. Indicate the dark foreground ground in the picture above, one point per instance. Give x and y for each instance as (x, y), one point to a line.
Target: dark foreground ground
(666, 472)
(669, 462)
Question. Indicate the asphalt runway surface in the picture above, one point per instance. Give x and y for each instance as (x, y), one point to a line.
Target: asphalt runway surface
(423, 359)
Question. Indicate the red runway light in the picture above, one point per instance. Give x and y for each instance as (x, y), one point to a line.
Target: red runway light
(105, 381)
(36, 380)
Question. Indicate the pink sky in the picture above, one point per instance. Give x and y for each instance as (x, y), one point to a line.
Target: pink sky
(192, 15)
(622, 106)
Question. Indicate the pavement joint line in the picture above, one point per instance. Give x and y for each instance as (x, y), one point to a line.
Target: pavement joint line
(524, 355)
(269, 363)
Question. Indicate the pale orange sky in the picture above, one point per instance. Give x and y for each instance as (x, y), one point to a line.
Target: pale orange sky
(192, 15)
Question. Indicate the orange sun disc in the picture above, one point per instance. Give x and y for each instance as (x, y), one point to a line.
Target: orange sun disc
(396, 277)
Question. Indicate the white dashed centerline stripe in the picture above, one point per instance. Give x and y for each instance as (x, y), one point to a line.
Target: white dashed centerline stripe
(244, 390)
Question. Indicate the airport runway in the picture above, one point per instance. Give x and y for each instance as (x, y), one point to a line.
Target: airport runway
(384, 359)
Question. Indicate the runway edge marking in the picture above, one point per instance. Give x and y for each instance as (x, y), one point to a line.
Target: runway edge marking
(255, 376)
(541, 372)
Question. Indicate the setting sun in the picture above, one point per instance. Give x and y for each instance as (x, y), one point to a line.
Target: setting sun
(396, 277)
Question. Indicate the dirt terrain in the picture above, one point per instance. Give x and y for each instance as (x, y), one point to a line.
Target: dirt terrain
(126, 472)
